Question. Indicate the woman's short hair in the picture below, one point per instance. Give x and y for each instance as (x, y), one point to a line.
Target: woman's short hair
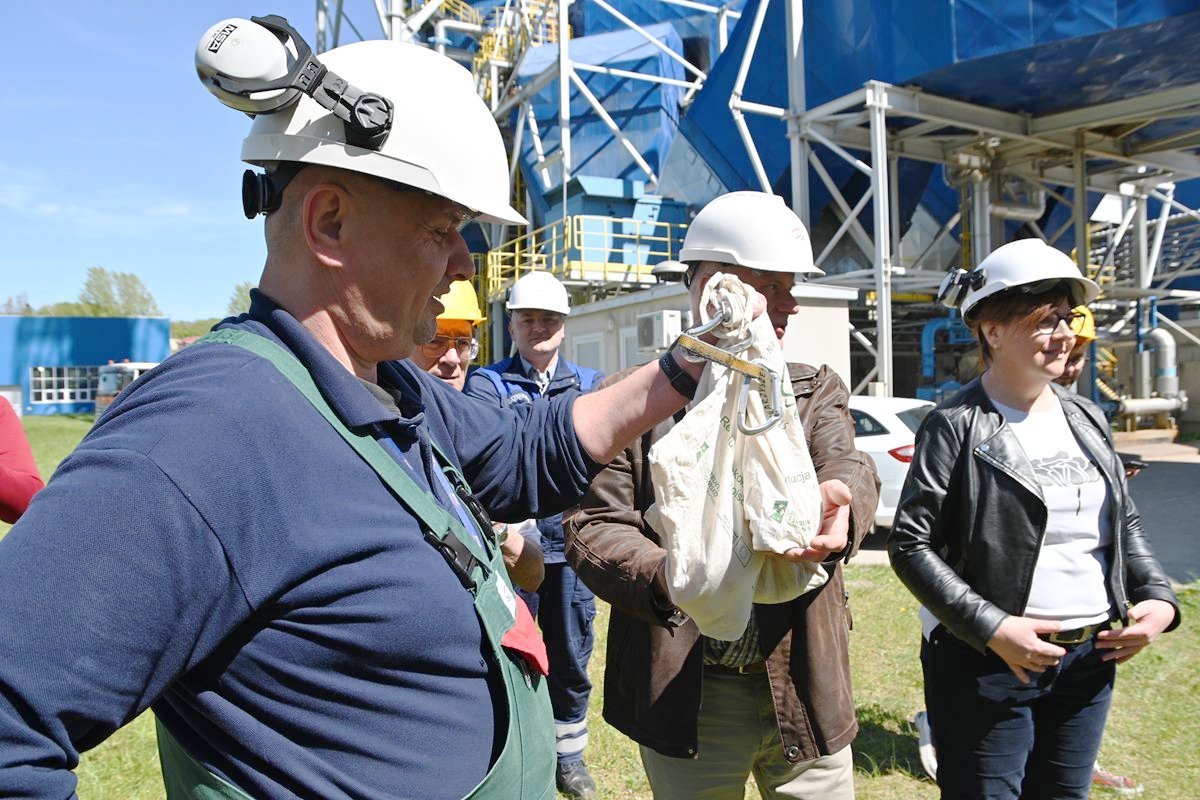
(1015, 306)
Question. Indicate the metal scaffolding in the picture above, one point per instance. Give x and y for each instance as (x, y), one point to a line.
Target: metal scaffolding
(1083, 150)
(1006, 164)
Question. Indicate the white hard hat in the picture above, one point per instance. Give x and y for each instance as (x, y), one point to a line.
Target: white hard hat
(443, 138)
(1030, 264)
(539, 290)
(750, 229)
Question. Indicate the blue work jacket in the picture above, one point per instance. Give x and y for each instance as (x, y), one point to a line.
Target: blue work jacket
(213, 549)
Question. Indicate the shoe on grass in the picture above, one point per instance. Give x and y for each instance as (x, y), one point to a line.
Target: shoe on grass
(1119, 784)
(575, 781)
(925, 744)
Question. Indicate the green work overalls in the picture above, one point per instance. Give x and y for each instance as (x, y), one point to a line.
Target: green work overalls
(525, 767)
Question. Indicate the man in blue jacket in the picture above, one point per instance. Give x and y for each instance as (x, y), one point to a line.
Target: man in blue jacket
(268, 539)
(539, 305)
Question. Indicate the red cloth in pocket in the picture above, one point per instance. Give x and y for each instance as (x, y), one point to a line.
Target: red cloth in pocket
(525, 638)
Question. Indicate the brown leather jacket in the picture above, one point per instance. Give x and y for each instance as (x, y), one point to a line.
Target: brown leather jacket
(653, 672)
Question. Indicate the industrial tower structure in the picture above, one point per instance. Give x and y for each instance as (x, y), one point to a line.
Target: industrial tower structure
(909, 145)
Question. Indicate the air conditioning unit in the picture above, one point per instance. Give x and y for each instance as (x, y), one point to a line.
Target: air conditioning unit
(658, 331)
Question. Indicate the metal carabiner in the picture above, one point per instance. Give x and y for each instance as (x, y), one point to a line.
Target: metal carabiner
(772, 396)
(724, 314)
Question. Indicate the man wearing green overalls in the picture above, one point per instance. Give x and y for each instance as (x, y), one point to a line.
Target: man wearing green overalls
(274, 538)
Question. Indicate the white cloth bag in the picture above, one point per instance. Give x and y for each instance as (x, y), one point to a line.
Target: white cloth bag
(724, 500)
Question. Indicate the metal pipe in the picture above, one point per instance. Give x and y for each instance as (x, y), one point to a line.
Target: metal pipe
(702, 7)
(857, 231)
(442, 25)
(846, 223)
(413, 23)
(613, 127)
(518, 134)
(1159, 231)
(527, 91)
(322, 23)
(877, 103)
(1141, 363)
(639, 30)
(739, 120)
(1137, 406)
(1022, 212)
(941, 234)
(531, 121)
(739, 82)
(1178, 329)
(1166, 370)
(1122, 229)
(981, 224)
(735, 96)
(637, 76)
(851, 160)
(759, 108)
(564, 99)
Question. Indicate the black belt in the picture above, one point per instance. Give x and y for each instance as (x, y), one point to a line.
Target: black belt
(1075, 636)
(753, 668)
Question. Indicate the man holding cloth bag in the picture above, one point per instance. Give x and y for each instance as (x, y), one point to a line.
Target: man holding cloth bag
(775, 702)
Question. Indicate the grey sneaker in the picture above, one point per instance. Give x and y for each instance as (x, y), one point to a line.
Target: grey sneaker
(925, 744)
(575, 781)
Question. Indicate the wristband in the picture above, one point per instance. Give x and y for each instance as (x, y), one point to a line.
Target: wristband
(680, 380)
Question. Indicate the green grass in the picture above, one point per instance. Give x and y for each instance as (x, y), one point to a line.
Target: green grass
(1153, 732)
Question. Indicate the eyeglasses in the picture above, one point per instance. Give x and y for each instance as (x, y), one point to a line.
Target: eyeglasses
(466, 347)
(1049, 325)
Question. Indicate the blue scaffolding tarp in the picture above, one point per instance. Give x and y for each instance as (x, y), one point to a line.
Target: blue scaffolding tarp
(1024, 56)
(647, 113)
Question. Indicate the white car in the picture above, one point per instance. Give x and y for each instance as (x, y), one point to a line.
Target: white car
(885, 429)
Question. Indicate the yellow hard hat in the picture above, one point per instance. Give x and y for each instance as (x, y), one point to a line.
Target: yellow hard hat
(461, 303)
(1085, 326)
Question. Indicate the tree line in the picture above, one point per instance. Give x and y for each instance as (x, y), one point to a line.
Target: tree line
(108, 293)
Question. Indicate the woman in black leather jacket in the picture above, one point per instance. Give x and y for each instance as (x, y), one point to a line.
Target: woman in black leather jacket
(1016, 532)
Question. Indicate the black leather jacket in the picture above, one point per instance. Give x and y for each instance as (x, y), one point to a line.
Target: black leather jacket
(971, 518)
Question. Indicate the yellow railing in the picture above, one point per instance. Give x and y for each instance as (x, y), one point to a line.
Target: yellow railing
(545, 248)
(509, 35)
(614, 250)
(462, 11)
(584, 249)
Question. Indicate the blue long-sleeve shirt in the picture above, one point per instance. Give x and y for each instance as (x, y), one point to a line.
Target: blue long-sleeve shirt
(508, 383)
(213, 548)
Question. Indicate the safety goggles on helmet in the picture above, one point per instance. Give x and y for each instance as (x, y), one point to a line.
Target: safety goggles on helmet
(1029, 266)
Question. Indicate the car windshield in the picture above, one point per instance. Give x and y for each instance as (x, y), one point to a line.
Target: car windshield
(912, 416)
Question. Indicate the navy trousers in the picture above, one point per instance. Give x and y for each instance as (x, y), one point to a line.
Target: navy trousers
(565, 608)
(997, 738)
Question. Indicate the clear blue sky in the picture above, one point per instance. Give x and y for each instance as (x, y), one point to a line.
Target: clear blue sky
(113, 155)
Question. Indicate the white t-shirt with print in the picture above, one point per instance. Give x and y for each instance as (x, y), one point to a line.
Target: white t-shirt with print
(1069, 580)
